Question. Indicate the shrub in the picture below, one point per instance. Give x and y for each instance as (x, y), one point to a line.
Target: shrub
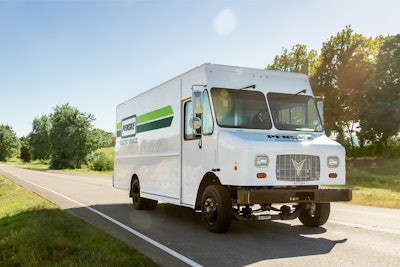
(102, 159)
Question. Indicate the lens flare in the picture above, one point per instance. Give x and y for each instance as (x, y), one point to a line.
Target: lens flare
(225, 22)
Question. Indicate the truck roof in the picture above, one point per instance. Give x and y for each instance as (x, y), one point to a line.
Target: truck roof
(251, 70)
(228, 68)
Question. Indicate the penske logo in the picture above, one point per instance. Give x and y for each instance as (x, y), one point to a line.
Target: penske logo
(298, 166)
(128, 127)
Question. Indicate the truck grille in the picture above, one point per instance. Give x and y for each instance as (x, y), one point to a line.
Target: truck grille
(297, 168)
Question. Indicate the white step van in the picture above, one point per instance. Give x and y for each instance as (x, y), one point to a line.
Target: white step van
(230, 142)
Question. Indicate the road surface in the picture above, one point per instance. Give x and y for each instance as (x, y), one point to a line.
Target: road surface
(175, 236)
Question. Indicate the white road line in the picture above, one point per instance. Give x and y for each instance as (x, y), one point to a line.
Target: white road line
(132, 231)
(367, 227)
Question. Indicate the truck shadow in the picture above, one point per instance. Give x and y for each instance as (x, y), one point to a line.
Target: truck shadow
(181, 229)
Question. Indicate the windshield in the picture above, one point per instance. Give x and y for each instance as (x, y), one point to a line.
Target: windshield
(294, 112)
(240, 109)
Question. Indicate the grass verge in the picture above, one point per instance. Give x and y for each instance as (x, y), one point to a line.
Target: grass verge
(375, 181)
(376, 197)
(34, 232)
(40, 165)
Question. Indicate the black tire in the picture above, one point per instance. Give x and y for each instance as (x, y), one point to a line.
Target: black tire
(216, 208)
(139, 202)
(318, 217)
(151, 204)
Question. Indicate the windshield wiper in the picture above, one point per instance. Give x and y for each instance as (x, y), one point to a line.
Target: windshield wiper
(301, 92)
(290, 96)
(248, 87)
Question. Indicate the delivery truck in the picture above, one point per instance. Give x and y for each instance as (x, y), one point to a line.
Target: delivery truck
(231, 143)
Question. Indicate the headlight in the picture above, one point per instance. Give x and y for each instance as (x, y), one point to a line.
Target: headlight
(261, 161)
(333, 162)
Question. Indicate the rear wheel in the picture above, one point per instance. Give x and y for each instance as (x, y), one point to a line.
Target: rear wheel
(139, 202)
(216, 209)
(316, 215)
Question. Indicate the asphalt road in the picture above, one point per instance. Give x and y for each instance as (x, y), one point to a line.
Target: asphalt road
(175, 236)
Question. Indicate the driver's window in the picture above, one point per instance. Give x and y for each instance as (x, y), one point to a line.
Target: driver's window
(208, 124)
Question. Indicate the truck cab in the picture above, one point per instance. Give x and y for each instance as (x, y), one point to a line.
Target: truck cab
(262, 144)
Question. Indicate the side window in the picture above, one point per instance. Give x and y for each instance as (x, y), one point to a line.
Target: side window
(208, 125)
(292, 116)
(189, 133)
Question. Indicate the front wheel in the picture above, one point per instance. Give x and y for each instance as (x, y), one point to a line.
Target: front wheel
(216, 208)
(316, 215)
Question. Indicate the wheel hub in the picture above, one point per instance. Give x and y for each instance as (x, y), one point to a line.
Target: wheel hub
(210, 208)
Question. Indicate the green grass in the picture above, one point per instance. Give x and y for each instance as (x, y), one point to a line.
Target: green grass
(34, 232)
(381, 173)
(36, 164)
(375, 181)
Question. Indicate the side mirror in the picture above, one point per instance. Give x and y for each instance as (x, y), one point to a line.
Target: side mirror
(195, 123)
(196, 99)
(320, 107)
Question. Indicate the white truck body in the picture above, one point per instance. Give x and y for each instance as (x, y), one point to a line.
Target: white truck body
(284, 158)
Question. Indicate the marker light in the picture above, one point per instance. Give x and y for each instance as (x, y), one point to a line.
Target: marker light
(261, 161)
(261, 175)
(333, 175)
(333, 162)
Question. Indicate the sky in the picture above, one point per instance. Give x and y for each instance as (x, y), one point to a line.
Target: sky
(97, 54)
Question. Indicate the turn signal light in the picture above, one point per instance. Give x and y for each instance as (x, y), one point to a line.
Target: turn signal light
(333, 175)
(261, 175)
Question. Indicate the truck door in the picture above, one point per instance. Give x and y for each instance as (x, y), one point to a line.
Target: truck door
(191, 157)
(199, 154)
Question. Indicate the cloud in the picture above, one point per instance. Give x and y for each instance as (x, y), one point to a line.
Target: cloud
(225, 22)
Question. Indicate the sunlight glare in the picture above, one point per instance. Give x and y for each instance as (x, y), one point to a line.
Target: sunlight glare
(225, 22)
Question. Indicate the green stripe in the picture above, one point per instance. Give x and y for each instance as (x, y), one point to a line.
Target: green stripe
(159, 118)
(119, 126)
(119, 129)
(155, 114)
(166, 122)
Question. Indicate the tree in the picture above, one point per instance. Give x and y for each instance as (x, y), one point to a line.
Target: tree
(39, 138)
(25, 151)
(102, 139)
(380, 118)
(69, 137)
(299, 59)
(9, 143)
(345, 63)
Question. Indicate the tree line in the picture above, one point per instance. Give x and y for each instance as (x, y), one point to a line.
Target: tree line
(358, 79)
(65, 138)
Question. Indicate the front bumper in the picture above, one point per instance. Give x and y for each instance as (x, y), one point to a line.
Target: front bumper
(270, 196)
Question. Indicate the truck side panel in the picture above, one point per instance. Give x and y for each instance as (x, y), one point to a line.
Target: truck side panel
(148, 142)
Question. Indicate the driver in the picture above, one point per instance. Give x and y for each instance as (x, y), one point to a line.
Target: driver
(261, 120)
